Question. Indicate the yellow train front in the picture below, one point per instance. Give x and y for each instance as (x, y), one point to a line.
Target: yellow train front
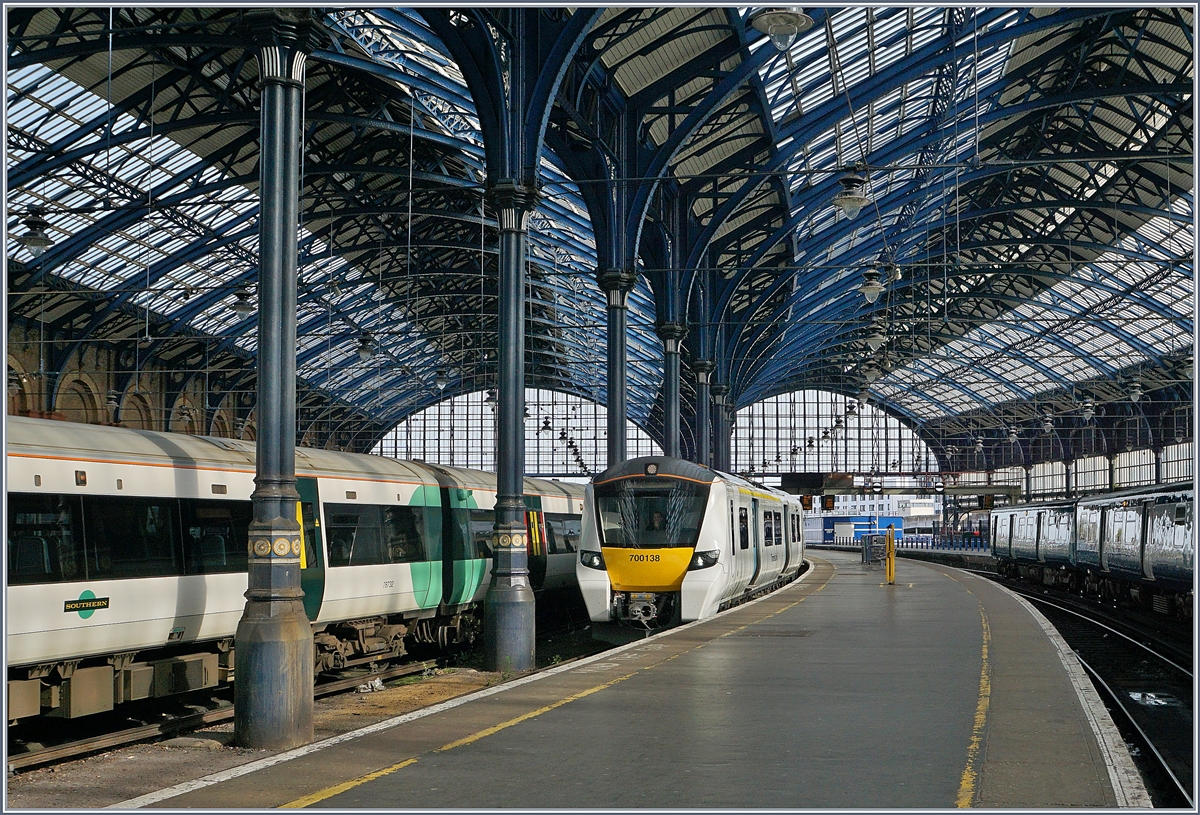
(666, 541)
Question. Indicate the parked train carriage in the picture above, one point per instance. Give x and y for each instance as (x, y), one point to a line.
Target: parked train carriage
(127, 555)
(552, 520)
(1137, 543)
(667, 541)
(1141, 535)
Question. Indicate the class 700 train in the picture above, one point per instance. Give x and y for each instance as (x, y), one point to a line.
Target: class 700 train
(666, 541)
(127, 553)
(1131, 545)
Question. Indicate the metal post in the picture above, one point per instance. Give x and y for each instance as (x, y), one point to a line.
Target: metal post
(720, 452)
(273, 691)
(671, 334)
(1112, 473)
(703, 369)
(1158, 465)
(508, 619)
(1028, 483)
(616, 284)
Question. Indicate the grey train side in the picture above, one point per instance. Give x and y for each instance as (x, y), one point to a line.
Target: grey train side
(1135, 544)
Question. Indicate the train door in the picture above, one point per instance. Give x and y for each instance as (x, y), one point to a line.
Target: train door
(1039, 530)
(536, 542)
(312, 562)
(788, 524)
(755, 537)
(1147, 517)
(743, 545)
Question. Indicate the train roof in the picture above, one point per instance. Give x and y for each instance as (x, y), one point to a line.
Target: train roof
(49, 438)
(661, 465)
(1176, 488)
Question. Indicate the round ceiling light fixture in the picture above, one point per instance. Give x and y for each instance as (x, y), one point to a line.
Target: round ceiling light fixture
(782, 25)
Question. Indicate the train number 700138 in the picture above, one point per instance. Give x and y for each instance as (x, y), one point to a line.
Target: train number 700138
(643, 558)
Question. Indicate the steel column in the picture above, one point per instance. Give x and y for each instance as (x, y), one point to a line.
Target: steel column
(671, 334)
(720, 452)
(703, 369)
(616, 284)
(273, 694)
(1158, 465)
(508, 620)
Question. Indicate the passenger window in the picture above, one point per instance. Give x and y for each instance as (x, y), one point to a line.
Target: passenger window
(482, 521)
(131, 537)
(768, 529)
(372, 535)
(743, 528)
(778, 529)
(404, 534)
(566, 530)
(45, 543)
(215, 535)
(312, 538)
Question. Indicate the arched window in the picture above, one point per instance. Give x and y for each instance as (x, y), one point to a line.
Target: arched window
(814, 431)
(565, 435)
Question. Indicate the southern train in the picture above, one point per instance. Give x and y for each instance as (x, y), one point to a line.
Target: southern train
(666, 541)
(1133, 545)
(127, 557)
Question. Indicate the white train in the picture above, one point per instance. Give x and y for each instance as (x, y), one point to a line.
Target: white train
(668, 541)
(126, 558)
(1135, 544)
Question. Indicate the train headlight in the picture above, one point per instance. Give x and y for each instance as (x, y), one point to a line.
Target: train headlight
(702, 560)
(593, 560)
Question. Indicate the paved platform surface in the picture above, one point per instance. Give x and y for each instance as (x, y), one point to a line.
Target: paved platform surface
(837, 691)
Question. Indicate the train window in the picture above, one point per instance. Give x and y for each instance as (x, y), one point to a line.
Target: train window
(311, 535)
(214, 535)
(778, 529)
(650, 513)
(404, 532)
(1180, 514)
(45, 542)
(371, 535)
(768, 529)
(354, 535)
(482, 521)
(566, 530)
(743, 528)
(131, 537)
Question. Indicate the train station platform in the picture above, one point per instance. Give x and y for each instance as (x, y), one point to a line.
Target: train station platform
(943, 690)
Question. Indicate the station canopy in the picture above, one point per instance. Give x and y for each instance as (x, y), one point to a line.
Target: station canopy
(1025, 179)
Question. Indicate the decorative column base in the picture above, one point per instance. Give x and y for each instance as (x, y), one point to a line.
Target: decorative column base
(273, 674)
(509, 607)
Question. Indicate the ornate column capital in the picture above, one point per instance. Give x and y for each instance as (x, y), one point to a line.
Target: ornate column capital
(703, 369)
(284, 38)
(616, 280)
(719, 391)
(671, 334)
(513, 204)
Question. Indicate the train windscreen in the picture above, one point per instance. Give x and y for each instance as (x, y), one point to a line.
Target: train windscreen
(650, 513)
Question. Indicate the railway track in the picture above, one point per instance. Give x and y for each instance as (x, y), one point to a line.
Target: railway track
(1145, 680)
(176, 725)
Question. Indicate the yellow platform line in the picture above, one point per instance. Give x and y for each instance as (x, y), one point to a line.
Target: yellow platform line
(329, 792)
(966, 787)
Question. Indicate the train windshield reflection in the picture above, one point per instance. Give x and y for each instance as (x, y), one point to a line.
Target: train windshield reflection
(650, 513)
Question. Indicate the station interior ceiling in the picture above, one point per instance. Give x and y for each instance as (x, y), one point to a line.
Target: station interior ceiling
(1023, 258)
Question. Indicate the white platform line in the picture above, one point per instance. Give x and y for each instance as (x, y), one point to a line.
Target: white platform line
(1127, 784)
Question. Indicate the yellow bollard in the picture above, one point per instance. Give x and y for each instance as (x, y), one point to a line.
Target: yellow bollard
(891, 555)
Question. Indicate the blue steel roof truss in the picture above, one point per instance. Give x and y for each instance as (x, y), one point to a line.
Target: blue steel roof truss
(1030, 172)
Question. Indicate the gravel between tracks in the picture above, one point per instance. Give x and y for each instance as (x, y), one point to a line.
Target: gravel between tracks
(124, 773)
